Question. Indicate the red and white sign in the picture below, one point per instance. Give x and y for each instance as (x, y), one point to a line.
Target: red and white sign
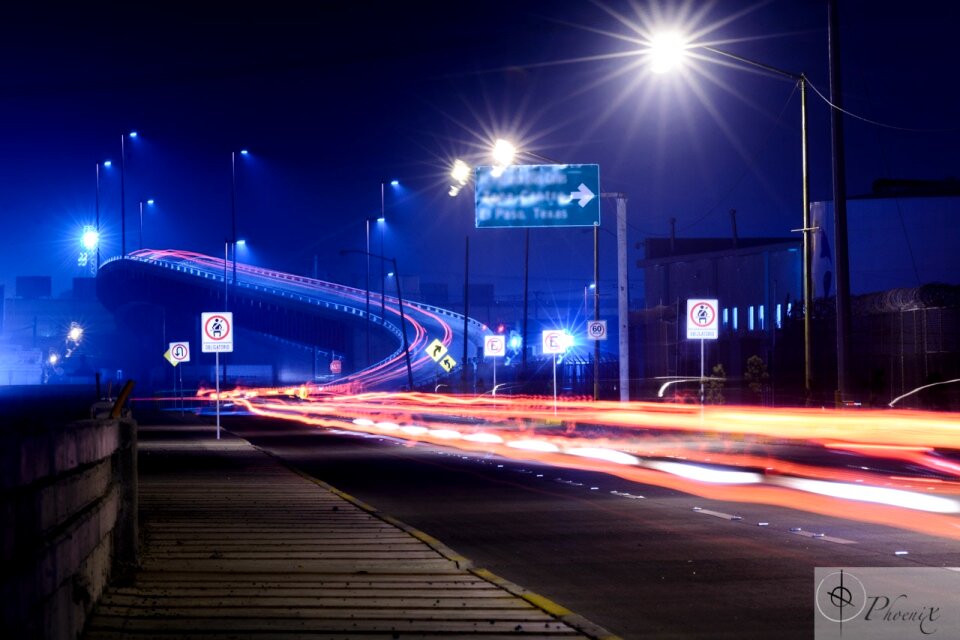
(702, 320)
(179, 352)
(494, 346)
(216, 331)
(597, 330)
(336, 366)
(555, 341)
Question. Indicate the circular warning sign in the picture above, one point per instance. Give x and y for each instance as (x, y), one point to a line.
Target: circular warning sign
(216, 328)
(703, 314)
(180, 351)
(494, 346)
(597, 330)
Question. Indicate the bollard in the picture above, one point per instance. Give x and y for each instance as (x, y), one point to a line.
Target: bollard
(126, 533)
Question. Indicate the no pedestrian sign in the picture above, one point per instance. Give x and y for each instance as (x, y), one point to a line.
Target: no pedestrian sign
(702, 320)
(216, 331)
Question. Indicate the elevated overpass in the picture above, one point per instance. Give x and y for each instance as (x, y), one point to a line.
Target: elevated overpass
(179, 285)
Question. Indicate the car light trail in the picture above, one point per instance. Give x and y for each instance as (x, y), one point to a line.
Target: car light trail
(707, 452)
(892, 497)
(706, 474)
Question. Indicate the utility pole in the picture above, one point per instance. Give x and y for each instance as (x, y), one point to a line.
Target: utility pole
(840, 240)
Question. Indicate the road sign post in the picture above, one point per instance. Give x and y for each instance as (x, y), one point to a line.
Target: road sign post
(494, 347)
(178, 353)
(216, 336)
(702, 325)
(554, 341)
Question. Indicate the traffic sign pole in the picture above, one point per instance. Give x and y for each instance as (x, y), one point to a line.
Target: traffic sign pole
(554, 384)
(217, 367)
(701, 371)
(180, 374)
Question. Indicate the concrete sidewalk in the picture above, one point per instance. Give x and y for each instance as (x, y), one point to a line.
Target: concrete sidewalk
(237, 545)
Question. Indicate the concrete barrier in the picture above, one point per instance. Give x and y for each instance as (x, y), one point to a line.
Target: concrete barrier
(68, 506)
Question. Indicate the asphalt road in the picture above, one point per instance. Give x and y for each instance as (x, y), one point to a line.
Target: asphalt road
(664, 565)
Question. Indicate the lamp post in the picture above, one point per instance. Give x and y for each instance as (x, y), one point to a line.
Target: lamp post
(149, 203)
(383, 284)
(403, 319)
(233, 208)
(123, 199)
(106, 163)
(666, 52)
(367, 284)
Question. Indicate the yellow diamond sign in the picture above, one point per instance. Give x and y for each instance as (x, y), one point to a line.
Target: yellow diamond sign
(447, 363)
(437, 350)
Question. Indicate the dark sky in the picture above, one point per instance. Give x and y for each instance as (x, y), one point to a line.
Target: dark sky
(331, 101)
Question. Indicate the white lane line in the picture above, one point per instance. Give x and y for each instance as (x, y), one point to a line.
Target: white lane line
(820, 536)
(717, 514)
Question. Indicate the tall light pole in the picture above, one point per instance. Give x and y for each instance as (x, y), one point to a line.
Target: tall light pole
(403, 319)
(123, 199)
(666, 52)
(106, 163)
(233, 207)
(382, 220)
(149, 203)
(383, 284)
(367, 283)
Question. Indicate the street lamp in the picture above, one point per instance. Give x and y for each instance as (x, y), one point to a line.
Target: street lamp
(123, 203)
(403, 319)
(233, 207)
(666, 52)
(150, 204)
(106, 164)
(366, 287)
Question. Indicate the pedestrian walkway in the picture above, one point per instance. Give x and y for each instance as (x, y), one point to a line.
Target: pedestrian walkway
(237, 545)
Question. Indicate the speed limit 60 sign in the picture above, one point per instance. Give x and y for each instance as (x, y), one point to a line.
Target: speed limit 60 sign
(597, 330)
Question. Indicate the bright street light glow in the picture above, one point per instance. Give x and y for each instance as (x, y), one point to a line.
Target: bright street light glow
(460, 172)
(133, 134)
(243, 152)
(241, 243)
(90, 238)
(150, 201)
(504, 152)
(75, 333)
(107, 163)
(666, 52)
(394, 183)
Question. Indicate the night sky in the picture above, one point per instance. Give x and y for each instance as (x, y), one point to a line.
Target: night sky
(332, 101)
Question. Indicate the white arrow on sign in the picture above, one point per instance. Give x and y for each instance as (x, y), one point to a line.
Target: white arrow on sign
(583, 194)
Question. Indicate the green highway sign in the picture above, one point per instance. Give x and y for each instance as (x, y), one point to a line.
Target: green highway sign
(538, 195)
